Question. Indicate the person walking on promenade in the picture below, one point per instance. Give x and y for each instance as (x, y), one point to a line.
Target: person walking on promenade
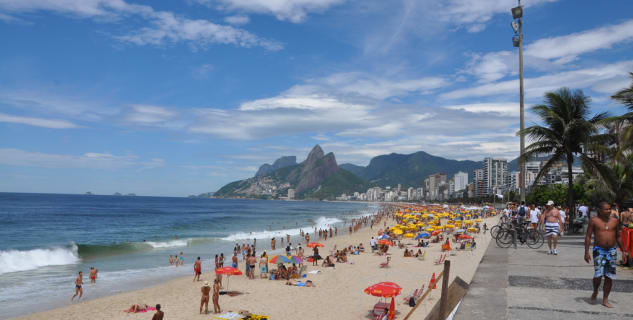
(604, 228)
(551, 223)
(626, 220)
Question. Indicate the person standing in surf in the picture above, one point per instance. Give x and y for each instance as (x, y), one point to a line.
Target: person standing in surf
(79, 281)
(93, 274)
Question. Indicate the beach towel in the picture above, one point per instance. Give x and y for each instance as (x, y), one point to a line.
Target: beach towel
(314, 271)
(229, 316)
(141, 311)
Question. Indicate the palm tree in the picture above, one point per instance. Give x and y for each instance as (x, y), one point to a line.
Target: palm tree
(566, 133)
(624, 123)
(616, 178)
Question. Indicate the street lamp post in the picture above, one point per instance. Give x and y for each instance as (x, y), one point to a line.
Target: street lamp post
(517, 40)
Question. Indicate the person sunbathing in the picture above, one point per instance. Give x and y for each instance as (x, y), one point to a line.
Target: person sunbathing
(361, 248)
(419, 253)
(135, 308)
(308, 283)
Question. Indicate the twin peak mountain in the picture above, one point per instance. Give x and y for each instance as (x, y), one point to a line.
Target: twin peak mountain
(319, 177)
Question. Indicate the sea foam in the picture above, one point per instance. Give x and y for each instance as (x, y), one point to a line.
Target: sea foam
(19, 260)
(320, 223)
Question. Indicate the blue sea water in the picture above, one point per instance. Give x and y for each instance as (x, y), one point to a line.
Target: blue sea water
(45, 239)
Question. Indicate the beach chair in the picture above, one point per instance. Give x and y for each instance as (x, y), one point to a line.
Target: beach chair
(379, 309)
(441, 259)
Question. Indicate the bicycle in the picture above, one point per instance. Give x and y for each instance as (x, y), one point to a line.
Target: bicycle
(508, 236)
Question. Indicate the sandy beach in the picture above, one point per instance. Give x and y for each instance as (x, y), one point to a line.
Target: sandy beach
(338, 293)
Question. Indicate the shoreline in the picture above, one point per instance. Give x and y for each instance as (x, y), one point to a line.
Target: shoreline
(180, 297)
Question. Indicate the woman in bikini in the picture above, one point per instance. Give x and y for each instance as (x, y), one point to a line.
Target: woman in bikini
(216, 296)
(206, 289)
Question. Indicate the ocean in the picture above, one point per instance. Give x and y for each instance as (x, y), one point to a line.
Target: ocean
(45, 239)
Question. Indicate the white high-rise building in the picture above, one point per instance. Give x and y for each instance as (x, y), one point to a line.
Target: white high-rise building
(461, 180)
(496, 176)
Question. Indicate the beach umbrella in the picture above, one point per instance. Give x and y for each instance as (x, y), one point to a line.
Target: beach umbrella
(465, 237)
(384, 289)
(383, 237)
(430, 229)
(229, 271)
(398, 231)
(315, 244)
(460, 230)
(472, 229)
(285, 259)
(387, 242)
(408, 235)
(422, 235)
(478, 220)
(436, 232)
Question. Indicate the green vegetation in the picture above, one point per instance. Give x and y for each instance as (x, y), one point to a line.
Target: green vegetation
(341, 182)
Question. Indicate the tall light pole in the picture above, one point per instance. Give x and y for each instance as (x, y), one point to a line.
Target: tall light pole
(517, 41)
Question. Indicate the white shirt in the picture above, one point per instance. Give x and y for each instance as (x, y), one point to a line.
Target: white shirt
(534, 215)
(372, 242)
(583, 209)
(562, 215)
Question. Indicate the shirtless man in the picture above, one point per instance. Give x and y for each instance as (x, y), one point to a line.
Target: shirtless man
(551, 223)
(252, 260)
(159, 315)
(606, 235)
(78, 289)
(626, 218)
(234, 261)
(93, 274)
(197, 269)
(206, 289)
(272, 243)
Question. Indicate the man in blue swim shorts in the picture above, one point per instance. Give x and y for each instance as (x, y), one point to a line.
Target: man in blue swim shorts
(605, 229)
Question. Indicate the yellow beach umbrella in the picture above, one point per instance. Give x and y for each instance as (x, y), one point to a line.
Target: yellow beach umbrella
(471, 230)
(478, 220)
(398, 231)
(408, 235)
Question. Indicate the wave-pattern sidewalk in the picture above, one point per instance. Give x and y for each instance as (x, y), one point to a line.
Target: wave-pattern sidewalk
(530, 284)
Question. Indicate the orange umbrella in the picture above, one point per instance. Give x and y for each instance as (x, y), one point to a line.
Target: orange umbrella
(229, 271)
(384, 289)
(465, 236)
(436, 232)
(315, 244)
(387, 242)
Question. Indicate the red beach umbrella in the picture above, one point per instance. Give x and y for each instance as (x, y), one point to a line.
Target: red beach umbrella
(229, 271)
(465, 237)
(384, 289)
(315, 244)
(436, 232)
(387, 242)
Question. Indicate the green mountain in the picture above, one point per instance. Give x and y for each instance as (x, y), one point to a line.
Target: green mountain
(318, 177)
(410, 170)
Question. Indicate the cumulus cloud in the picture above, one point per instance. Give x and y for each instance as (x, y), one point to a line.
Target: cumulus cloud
(164, 27)
(89, 160)
(38, 122)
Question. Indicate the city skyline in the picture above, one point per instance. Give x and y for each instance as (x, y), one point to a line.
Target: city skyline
(177, 98)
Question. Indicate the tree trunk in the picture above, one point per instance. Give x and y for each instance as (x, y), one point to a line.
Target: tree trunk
(571, 206)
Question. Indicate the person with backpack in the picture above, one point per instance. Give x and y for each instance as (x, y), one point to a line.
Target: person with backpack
(522, 212)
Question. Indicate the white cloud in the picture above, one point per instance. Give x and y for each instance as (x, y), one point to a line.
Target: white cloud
(237, 20)
(567, 48)
(43, 100)
(474, 14)
(549, 53)
(509, 109)
(594, 78)
(150, 115)
(165, 27)
(89, 160)
(369, 86)
(290, 10)
(38, 122)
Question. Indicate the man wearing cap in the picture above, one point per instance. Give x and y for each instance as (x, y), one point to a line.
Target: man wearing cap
(206, 289)
(552, 224)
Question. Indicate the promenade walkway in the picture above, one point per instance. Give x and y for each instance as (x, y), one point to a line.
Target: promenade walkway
(529, 284)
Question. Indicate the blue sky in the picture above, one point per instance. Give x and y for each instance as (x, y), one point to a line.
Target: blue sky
(180, 97)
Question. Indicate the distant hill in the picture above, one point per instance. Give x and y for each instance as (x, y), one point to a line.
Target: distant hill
(410, 170)
(318, 177)
(282, 162)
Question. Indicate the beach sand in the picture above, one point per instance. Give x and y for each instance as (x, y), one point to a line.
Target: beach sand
(338, 295)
